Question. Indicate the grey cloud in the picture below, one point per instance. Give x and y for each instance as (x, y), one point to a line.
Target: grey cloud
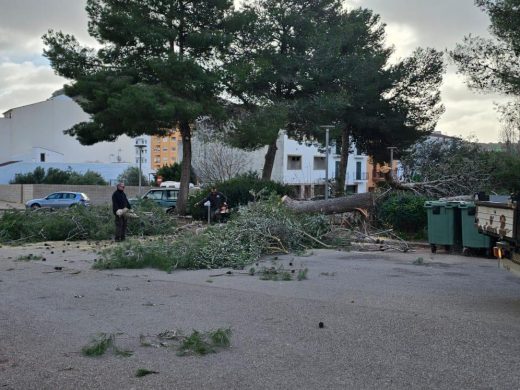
(439, 24)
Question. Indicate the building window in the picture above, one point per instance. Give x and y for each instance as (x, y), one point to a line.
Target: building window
(351, 189)
(319, 163)
(294, 163)
(174, 149)
(165, 159)
(164, 149)
(174, 138)
(165, 139)
(358, 170)
(42, 157)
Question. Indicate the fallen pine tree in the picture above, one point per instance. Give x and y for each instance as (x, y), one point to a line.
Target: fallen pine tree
(355, 202)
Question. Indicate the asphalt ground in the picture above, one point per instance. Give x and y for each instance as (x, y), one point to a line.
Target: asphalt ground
(451, 322)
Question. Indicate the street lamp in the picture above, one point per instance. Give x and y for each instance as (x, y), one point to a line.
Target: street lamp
(140, 147)
(327, 128)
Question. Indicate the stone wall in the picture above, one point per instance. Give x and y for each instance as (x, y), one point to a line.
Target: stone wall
(21, 193)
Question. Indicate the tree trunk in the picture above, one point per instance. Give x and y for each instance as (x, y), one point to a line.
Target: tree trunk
(331, 206)
(342, 174)
(182, 199)
(269, 160)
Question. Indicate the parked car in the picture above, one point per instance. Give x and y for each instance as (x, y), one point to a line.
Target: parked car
(59, 200)
(164, 197)
(174, 184)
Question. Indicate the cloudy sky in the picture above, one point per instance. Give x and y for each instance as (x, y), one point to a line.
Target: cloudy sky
(25, 75)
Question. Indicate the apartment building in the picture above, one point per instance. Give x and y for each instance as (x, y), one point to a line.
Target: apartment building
(165, 150)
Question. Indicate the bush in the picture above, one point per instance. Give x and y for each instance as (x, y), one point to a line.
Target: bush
(58, 176)
(404, 212)
(130, 177)
(238, 191)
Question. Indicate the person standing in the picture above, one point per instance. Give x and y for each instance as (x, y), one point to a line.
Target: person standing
(119, 204)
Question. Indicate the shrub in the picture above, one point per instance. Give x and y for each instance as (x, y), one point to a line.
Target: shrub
(58, 176)
(404, 212)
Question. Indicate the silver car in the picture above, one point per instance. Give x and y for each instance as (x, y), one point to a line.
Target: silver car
(59, 200)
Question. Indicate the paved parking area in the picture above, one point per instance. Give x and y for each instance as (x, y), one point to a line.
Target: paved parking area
(451, 322)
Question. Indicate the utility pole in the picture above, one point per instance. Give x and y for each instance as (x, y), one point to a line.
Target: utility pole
(327, 128)
(392, 148)
(140, 147)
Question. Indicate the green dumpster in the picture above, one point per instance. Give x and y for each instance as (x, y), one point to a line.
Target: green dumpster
(471, 239)
(443, 225)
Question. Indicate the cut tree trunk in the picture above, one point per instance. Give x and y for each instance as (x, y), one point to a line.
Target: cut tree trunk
(331, 206)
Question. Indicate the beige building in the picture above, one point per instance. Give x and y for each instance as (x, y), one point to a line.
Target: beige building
(165, 150)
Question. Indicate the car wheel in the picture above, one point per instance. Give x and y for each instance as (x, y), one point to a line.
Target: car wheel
(170, 210)
(35, 206)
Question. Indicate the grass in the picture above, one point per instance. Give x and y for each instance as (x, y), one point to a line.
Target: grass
(144, 371)
(101, 343)
(200, 343)
(29, 257)
(418, 261)
(279, 274)
(302, 274)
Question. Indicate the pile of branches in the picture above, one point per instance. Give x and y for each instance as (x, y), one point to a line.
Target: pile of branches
(78, 223)
(261, 228)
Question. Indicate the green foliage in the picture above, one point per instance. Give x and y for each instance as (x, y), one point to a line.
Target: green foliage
(491, 64)
(258, 229)
(302, 274)
(78, 223)
(88, 178)
(58, 176)
(203, 343)
(504, 172)
(173, 173)
(98, 345)
(130, 177)
(29, 257)
(170, 172)
(101, 343)
(404, 212)
(143, 372)
(239, 191)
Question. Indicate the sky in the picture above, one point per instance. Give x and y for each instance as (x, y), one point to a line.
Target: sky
(26, 76)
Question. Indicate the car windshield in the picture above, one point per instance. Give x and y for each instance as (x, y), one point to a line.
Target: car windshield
(157, 195)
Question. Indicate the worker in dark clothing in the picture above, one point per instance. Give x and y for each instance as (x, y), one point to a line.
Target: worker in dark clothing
(120, 206)
(217, 202)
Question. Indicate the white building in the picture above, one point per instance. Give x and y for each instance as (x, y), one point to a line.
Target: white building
(33, 135)
(298, 164)
(303, 165)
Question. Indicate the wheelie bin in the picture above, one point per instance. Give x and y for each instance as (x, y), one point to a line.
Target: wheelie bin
(472, 240)
(444, 225)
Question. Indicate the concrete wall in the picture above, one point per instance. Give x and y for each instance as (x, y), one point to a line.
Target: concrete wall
(21, 193)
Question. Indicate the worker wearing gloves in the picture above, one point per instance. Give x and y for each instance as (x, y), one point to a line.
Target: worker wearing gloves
(120, 207)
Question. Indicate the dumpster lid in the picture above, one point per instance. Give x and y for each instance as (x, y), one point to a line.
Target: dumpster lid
(466, 205)
(442, 203)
